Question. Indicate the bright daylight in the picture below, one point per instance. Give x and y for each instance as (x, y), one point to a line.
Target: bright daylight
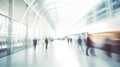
(59, 33)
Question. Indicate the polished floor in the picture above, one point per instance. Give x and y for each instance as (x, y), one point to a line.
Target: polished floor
(59, 54)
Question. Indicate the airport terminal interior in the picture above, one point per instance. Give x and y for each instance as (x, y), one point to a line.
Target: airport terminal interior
(59, 33)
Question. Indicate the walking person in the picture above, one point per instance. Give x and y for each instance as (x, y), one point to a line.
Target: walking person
(89, 44)
(46, 43)
(35, 43)
(108, 47)
(68, 40)
(79, 41)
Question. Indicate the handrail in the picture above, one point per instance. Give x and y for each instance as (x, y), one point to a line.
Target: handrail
(11, 18)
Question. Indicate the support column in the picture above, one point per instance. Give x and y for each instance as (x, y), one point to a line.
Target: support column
(109, 5)
(26, 38)
(9, 39)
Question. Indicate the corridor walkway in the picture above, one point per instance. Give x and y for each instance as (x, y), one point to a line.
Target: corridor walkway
(59, 54)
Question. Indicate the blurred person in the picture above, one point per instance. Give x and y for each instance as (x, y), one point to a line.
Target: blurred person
(35, 43)
(79, 41)
(71, 40)
(89, 44)
(117, 48)
(68, 40)
(46, 43)
(107, 47)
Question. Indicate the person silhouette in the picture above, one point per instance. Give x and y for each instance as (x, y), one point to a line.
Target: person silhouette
(108, 47)
(79, 41)
(35, 43)
(46, 43)
(89, 44)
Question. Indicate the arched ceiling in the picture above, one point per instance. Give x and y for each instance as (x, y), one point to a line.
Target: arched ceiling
(63, 14)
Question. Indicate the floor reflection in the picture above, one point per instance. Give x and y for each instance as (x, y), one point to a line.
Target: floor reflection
(59, 54)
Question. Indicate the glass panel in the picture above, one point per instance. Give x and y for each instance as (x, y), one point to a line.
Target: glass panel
(18, 36)
(102, 15)
(90, 20)
(114, 0)
(116, 6)
(89, 14)
(3, 35)
(101, 6)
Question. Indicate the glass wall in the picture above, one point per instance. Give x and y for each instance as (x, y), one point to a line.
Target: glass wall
(18, 35)
(104, 10)
(3, 35)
